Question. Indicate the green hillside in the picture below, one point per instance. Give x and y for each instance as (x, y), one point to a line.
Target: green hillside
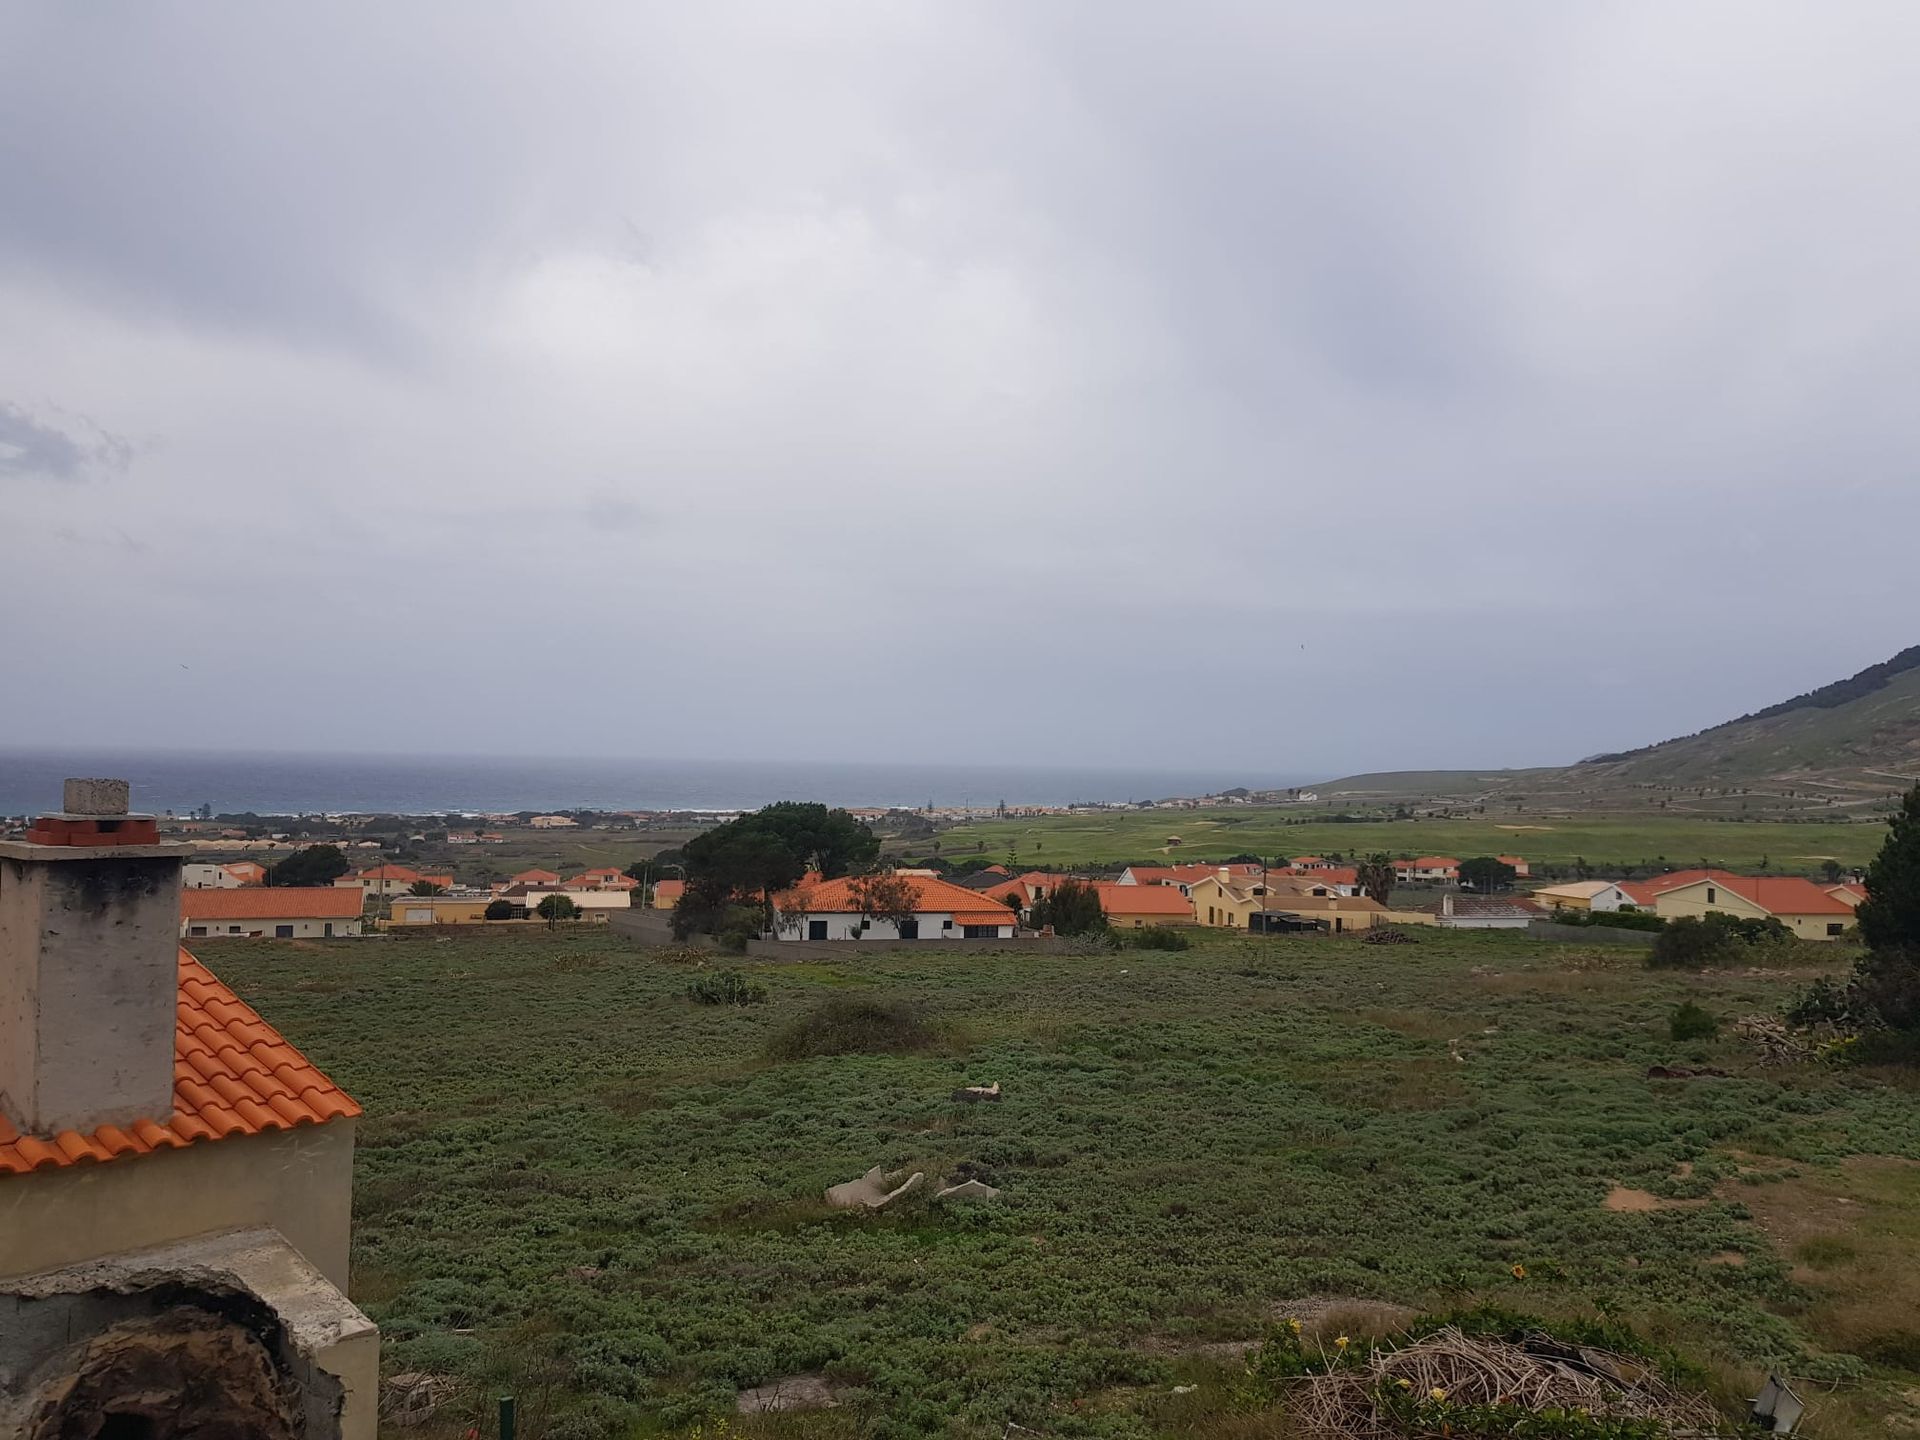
(1844, 746)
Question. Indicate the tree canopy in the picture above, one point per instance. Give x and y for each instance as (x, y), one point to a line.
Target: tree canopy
(1890, 915)
(1375, 876)
(759, 854)
(1485, 873)
(1072, 908)
(315, 865)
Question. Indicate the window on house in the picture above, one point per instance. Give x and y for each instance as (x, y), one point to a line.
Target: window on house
(283, 932)
(233, 929)
(1712, 895)
(197, 930)
(980, 932)
(816, 930)
(1836, 929)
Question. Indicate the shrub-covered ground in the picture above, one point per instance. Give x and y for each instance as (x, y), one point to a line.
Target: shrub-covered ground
(578, 1183)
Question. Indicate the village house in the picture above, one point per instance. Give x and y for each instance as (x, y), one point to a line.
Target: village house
(553, 822)
(1585, 895)
(1130, 907)
(1426, 868)
(206, 875)
(604, 877)
(176, 1180)
(533, 877)
(439, 910)
(1484, 912)
(1335, 914)
(1228, 899)
(1182, 877)
(1797, 903)
(591, 904)
(280, 912)
(1518, 863)
(667, 893)
(831, 910)
(388, 880)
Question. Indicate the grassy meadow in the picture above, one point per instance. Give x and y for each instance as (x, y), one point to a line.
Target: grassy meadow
(1606, 843)
(576, 1184)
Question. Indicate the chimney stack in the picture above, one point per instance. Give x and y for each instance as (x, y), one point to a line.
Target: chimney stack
(89, 970)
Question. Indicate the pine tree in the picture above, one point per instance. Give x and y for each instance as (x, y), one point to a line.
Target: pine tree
(1890, 915)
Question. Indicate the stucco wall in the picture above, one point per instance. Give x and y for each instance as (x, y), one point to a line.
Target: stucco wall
(298, 1182)
(303, 929)
(1692, 900)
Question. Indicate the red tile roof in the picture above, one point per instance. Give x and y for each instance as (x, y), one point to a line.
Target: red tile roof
(669, 889)
(233, 1074)
(1144, 900)
(835, 897)
(1776, 894)
(535, 877)
(282, 902)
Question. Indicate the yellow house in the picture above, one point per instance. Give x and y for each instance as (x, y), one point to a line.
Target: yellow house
(1799, 904)
(1225, 900)
(438, 910)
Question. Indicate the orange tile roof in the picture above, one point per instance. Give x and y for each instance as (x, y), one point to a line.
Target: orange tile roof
(1002, 916)
(283, 902)
(1434, 862)
(1776, 894)
(1144, 900)
(535, 877)
(387, 872)
(835, 897)
(233, 1074)
(669, 889)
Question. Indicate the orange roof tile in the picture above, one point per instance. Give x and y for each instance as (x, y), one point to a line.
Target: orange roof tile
(669, 889)
(835, 897)
(535, 877)
(233, 1074)
(1776, 894)
(284, 902)
(1002, 916)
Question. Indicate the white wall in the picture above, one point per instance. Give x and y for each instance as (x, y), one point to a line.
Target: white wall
(304, 929)
(199, 875)
(933, 926)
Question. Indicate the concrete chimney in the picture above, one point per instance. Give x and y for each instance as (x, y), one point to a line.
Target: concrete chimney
(1446, 903)
(89, 970)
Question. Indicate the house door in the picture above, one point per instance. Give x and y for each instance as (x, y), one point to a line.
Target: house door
(816, 929)
(909, 929)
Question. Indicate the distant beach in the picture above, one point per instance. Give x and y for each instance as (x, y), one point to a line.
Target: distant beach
(270, 784)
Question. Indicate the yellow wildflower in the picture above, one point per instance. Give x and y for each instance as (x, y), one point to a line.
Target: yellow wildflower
(1437, 1393)
(1405, 1384)
(1294, 1325)
(1340, 1342)
(1519, 1272)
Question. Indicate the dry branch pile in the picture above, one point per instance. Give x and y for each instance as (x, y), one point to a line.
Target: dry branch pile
(1537, 1373)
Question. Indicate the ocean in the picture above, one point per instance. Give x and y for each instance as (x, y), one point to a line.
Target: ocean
(286, 784)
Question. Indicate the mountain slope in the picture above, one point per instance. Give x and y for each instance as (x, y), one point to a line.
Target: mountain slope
(1876, 732)
(1857, 737)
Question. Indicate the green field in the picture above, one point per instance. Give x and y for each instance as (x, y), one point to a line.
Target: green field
(1607, 844)
(578, 1185)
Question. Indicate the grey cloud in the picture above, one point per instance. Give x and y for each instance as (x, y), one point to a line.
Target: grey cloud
(943, 354)
(49, 445)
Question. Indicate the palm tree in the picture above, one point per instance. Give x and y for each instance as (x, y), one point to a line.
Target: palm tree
(1375, 876)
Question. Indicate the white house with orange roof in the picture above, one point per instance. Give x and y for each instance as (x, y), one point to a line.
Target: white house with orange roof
(388, 880)
(176, 1180)
(1428, 868)
(834, 910)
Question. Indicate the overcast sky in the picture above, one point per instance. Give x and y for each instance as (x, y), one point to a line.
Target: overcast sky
(1333, 386)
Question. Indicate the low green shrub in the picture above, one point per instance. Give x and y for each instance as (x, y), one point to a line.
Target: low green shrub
(1690, 1022)
(1695, 942)
(1611, 919)
(728, 987)
(1154, 937)
(850, 1025)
